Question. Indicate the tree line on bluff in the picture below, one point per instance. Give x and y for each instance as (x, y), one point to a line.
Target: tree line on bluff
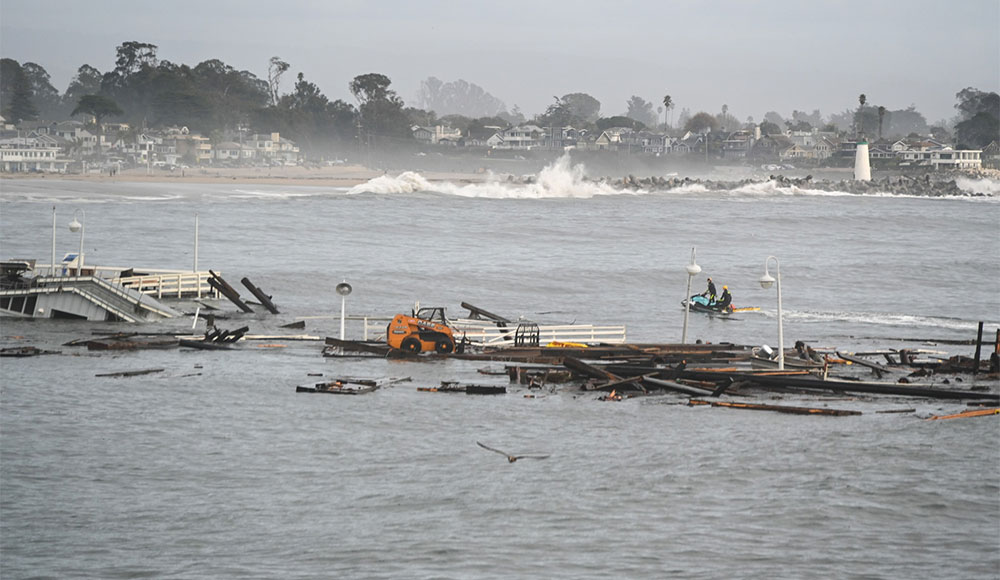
(217, 100)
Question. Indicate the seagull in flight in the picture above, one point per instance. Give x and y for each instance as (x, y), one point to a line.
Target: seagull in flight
(511, 458)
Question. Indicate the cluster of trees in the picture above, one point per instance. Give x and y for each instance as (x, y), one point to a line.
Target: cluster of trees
(212, 98)
(215, 99)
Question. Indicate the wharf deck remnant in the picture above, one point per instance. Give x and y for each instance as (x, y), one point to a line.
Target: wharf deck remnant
(265, 300)
(228, 291)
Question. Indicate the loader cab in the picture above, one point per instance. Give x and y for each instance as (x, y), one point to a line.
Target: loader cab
(435, 314)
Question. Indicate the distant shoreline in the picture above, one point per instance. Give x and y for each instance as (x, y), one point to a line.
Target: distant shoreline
(347, 176)
(342, 176)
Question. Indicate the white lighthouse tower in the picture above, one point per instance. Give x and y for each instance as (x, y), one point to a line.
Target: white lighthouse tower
(862, 167)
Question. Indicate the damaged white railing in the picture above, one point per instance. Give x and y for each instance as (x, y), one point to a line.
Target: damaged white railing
(489, 334)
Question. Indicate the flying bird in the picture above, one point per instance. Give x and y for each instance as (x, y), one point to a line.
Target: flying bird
(511, 458)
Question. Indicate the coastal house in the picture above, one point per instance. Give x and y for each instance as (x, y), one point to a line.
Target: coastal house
(272, 148)
(797, 152)
(521, 137)
(139, 149)
(435, 134)
(769, 147)
(30, 154)
(991, 155)
(738, 144)
(652, 143)
(942, 158)
(231, 151)
(613, 138)
(881, 151)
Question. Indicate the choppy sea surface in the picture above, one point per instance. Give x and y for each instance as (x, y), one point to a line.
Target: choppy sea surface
(216, 468)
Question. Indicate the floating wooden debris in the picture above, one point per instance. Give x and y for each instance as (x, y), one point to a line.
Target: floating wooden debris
(777, 408)
(878, 369)
(132, 343)
(265, 300)
(339, 388)
(130, 373)
(966, 414)
(350, 385)
(454, 387)
(297, 324)
(24, 351)
(228, 291)
(358, 348)
(799, 381)
(202, 344)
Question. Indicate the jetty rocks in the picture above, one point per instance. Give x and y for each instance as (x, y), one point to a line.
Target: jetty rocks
(924, 186)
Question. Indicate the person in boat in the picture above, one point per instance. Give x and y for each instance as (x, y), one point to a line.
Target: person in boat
(726, 300)
(710, 292)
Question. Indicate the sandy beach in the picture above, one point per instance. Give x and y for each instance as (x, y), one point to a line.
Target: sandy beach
(337, 176)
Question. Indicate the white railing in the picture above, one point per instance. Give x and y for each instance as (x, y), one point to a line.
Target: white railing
(172, 285)
(89, 286)
(486, 333)
(159, 282)
(493, 336)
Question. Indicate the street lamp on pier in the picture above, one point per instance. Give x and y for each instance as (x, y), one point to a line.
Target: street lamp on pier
(766, 281)
(692, 270)
(343, 289)
(77, 226)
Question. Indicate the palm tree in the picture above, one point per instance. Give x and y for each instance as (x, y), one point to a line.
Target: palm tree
(668, 104)
(881, 114)
(858, 127)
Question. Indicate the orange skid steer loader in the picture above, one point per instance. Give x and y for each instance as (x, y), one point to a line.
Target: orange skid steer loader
(425, 331)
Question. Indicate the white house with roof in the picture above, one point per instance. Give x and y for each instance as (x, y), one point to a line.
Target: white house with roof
(30, 154)
(942, 158)
(436, 134)
(520, 137)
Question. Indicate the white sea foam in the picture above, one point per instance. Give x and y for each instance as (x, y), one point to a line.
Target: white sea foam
(982, 186)
(880, 319)
(561, 179)
(152, 197)
(256, 194)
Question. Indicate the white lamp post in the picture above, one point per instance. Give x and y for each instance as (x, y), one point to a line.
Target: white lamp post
(692, 270)
(53, 240)
(766, 281)
(77, 226)
(343, 289)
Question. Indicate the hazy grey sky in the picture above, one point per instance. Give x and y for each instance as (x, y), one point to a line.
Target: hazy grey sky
(754, 56)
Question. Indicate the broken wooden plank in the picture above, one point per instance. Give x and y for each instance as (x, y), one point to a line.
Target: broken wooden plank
(672, 386)
(228, 291)
(130, 373)
(265, 300)
(780, 408)
(810, 382)
(965, 414)
(477, 313)
(578, 366)
(620, 382)
(879, 369)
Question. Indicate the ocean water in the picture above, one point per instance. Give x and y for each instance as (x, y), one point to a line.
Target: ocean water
(216, 468)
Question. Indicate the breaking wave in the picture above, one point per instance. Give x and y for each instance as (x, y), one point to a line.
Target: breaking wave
(981, 186)
(561, 179)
